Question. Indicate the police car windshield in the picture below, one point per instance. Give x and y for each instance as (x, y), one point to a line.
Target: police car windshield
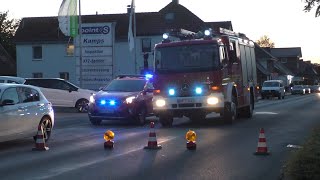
(125, 85)
(197, 57)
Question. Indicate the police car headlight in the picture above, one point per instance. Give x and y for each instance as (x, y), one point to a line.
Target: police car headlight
(130, 99)
(92, 100)
(160, 102)
(212, 100)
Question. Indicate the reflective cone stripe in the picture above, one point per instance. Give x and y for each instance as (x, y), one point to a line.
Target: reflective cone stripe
(40, 141)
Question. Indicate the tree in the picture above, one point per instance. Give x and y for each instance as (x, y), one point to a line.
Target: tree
(265, 41)
(310, 4)
(8, 28)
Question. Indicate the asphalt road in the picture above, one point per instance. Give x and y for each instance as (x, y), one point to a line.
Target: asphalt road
(223, 151)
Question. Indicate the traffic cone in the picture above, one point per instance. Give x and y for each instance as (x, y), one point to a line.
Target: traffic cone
(40, 141)
(262, 144)
(152, 142)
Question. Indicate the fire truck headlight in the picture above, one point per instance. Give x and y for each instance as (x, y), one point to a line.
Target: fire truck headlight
(198, 90)
(207, 32)
(160, 102)
(212, 100)
(171, 92)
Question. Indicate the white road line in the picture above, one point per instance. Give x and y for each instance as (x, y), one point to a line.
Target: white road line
(59, 171)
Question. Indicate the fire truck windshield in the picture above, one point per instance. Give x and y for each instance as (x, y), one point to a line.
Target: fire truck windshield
(187, 58)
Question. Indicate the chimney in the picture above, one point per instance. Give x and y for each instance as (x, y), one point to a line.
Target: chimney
(175, 1)
(128, 9)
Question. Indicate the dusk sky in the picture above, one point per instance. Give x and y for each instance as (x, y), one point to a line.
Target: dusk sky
(284, 21)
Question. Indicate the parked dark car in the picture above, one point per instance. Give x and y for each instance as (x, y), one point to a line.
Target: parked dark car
(315, 88)
(298, 89)
(128, 97)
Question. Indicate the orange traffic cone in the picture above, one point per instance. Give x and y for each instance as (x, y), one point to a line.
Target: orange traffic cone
(40, 141)
(262, 144)
(152, 142)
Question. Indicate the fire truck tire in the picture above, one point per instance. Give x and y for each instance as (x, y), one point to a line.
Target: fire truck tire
(230, 112)
(247, 111)
(166, 120)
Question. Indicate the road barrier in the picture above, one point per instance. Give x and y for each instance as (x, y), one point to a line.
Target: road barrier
(152, 142)
(262, 148)
(191, 137)
(40, 144)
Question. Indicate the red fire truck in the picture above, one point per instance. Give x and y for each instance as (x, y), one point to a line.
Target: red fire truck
(200, 73)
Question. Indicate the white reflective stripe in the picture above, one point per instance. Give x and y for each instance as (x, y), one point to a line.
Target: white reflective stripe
(152, 139)
(39, 141)
(262, 136)
(262, 144)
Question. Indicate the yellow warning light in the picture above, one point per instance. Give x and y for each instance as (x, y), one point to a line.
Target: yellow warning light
(108, 135)
(191, 136)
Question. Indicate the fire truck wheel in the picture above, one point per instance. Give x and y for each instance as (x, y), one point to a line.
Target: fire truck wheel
(166, 120)
(248, 111)
(230, 112)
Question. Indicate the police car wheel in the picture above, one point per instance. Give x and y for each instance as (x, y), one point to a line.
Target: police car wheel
(141, 116)
(95, 121)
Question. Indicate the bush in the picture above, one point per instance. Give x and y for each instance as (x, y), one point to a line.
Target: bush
(305, 162)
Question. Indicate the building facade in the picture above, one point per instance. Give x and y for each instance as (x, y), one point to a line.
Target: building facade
(44, 51)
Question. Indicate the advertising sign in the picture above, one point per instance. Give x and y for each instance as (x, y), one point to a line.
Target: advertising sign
(97, 55)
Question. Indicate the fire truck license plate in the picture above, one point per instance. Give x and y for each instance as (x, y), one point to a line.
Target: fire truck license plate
(185, 101)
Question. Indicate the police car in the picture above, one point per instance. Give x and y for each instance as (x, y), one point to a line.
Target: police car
(127, 97)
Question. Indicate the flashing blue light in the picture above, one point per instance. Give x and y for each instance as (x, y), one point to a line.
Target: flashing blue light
(103, 102)
(149, 76)
(198, 90)
(171, 92)
(112, 103)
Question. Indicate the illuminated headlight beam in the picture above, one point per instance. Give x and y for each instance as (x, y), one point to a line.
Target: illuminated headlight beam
(212, 100)
(160, 103)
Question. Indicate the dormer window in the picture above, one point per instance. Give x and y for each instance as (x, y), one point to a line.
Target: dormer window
(169, 17)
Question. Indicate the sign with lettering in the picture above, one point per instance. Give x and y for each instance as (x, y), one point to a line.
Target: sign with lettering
(97, 55)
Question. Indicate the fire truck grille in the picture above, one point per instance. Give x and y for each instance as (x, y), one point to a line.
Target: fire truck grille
(187, 105)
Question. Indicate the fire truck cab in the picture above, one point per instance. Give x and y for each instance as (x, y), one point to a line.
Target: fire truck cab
(205, 72)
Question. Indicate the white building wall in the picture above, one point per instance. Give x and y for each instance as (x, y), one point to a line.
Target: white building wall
(55, 59)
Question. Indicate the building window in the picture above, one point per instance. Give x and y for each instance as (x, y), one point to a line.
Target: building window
(37, 52)
(169, 17)
(146, 45)
(70, 50)
(37, 75)
(283, 60)
(64, 75)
